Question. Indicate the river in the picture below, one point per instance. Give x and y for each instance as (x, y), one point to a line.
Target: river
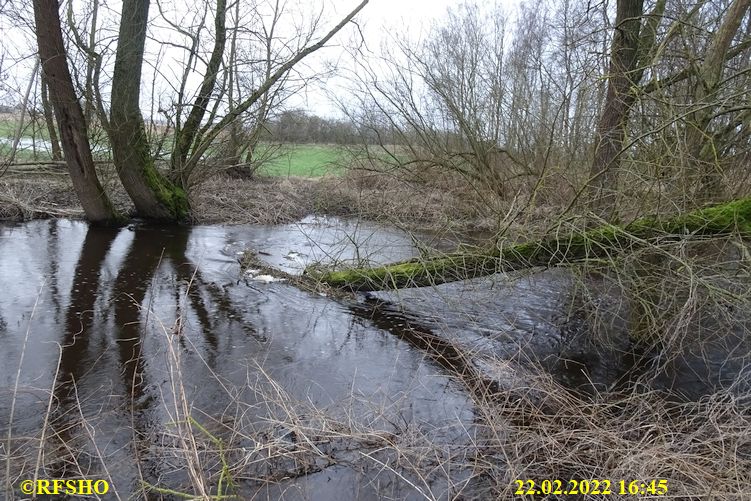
(111, 337)
(145, 356)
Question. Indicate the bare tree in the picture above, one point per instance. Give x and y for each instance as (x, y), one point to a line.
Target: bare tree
(90, 85)
(185, 136)
(70, 119)
(692, 125)
(483, 96)
(49, 120)
(153, 195)
(700, 138)
(667, 88)
(611, 127)
(254, 56)
(211, 130)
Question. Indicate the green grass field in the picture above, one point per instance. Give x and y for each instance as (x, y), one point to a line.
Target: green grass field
(299, 160)
(7, 128)
(305, 160)
(25, 152)
(9, 124)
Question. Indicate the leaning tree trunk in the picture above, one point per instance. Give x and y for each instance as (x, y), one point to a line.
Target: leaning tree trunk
(598, 243)
(49, 120)
(611, 128)
(153, 195)
(185, 137)
(70, 119)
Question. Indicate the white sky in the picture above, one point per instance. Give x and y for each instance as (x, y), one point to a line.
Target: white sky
(379, 16)
(410, 12)
(413, 13)
(401, 17)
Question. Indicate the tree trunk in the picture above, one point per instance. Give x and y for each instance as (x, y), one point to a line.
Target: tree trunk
(91, 63)
(49, 120)
(611, 128)
(699, 138)
(601, 242)
(153, 195)
(70, 119)
(185, 137)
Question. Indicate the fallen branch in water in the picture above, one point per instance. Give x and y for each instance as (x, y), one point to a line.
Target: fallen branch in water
(603, 241)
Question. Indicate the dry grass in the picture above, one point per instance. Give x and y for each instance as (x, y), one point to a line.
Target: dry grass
(273, 200)
(675, 302)
(34, 198)
(435, 201)
(703, 449)
(50, 194)
(375, 197)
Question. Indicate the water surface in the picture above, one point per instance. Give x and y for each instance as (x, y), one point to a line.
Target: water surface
(119, 345)
(113, 336)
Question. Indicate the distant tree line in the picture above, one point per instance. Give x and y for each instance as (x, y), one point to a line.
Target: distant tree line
(299, 126)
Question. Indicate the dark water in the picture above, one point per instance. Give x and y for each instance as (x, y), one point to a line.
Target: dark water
(524, 318)
(145, 326)
(111, 339)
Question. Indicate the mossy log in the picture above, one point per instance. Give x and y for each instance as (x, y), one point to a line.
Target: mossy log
(570, 247)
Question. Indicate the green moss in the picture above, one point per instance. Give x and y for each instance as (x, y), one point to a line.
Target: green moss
(171, 196)
(413, 273)
(723, 217)
(603, 242)
(397, 275)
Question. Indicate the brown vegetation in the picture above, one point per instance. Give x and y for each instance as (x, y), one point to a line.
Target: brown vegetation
(464, 134)
(272, 200)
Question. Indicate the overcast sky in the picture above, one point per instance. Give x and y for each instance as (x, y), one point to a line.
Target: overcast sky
(376, 19)
(402, 17)
(411, 12)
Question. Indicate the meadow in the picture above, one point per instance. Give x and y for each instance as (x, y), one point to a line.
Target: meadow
(305, 160)
(290, 160)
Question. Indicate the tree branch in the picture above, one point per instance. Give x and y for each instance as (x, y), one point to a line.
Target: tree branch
(201, 148)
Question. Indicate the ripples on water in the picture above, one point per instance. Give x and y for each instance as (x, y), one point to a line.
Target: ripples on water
(105, 303)
(138, 320)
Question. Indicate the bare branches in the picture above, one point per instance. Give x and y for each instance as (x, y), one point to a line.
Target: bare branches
(185, 136)
(679, 76)
(206, 141)
(19, 126)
